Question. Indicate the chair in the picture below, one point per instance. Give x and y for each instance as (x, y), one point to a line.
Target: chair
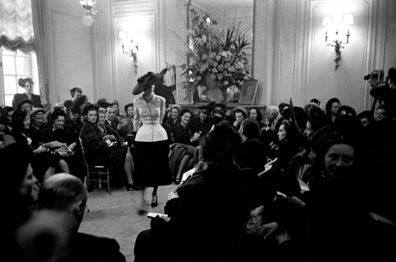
(96, 173)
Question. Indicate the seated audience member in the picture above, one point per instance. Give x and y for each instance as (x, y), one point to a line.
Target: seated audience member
(20, 127)
(43, 162)
(274, 116)
(70, 150)
(269, 136)
(316, 120)
(380, 114)
(111, 116)
(27, 84)
(366, 118)
(125, 126)
(116, 105)
(183, 137)
(255, 115)
(276, 228)
(103, 145)
(285, 150)
(20, 192)
(253, 153)
(6, 118)
(25, 105)
(173, 120)
(37, 118)
(73, 123)
(333, 113)
(239, 114)
(129, 111)
(102, 103)
(339, 224)
(75, 93)
(198, 228)
(64, 193)
(182, 132)
(202, 123)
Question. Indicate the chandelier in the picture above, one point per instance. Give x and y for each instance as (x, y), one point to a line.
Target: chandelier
(89, 7)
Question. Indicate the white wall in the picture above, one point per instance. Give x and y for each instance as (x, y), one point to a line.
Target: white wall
(290, 56)
(292, 60)
(70, 54)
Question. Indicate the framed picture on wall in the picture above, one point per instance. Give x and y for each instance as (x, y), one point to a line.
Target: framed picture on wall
(248, 92)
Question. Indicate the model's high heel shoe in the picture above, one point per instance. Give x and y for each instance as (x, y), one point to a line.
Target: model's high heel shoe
(129, 187)
(154, 201)
(142, 210)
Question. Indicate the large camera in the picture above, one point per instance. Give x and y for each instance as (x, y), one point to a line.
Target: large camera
(383, 89)
(376, 78)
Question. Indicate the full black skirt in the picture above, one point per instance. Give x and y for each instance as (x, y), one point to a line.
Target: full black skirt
(151, 164)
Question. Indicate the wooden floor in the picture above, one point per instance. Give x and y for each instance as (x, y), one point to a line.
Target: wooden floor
(115, 215)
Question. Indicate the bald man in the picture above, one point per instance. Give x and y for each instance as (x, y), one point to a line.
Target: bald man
(66, 193)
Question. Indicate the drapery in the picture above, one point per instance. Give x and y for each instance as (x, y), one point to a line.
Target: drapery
(16, 25)
(40, 43)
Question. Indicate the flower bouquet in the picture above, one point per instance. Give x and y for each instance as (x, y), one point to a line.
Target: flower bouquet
(215, 58)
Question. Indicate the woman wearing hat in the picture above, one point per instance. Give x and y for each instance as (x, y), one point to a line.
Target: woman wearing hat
(151, 142)
(27, 84)
(75, 93)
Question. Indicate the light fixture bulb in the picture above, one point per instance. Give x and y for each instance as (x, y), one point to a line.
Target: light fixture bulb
(122, 35)
(348, 20)
(326, 21)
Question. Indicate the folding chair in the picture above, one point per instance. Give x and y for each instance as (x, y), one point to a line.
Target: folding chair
(95, 174)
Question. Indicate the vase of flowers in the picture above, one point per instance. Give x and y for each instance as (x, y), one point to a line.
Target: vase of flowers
(216, 58)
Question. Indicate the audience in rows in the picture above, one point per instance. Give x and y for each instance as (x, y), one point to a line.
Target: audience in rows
(287, 183)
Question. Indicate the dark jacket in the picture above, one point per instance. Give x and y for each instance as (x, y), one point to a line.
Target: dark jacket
(85, 247)
(18, 98)
(209, 214)
(97, 151)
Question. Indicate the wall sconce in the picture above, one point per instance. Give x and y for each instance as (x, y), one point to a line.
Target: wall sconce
(129, 47)
(337, 33)
(89, 7)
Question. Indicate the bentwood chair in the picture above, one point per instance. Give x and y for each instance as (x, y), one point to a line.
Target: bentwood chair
(95, 173)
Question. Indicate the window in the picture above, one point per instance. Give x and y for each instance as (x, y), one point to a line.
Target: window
(16, 64)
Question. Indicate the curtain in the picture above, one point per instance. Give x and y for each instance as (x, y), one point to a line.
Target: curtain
(40, 44)
(16, 25)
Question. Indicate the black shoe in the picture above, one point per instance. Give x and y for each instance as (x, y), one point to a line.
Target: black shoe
(154, 201)
(137, 188)
(141, 212)
(129, 187)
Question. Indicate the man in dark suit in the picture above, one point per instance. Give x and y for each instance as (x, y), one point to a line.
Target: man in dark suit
(65, 193)
(27, 84)
(111, 116)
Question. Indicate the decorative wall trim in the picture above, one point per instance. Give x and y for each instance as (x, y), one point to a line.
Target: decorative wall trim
(122, 10)
(54, 95)
(373, 54)
(375, 44)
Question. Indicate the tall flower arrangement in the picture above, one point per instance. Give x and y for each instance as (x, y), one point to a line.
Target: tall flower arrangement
(216, 55)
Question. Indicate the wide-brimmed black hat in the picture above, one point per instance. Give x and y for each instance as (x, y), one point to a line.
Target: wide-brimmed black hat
(148, 79)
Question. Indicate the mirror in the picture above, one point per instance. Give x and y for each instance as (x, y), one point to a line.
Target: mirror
(210, 24)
